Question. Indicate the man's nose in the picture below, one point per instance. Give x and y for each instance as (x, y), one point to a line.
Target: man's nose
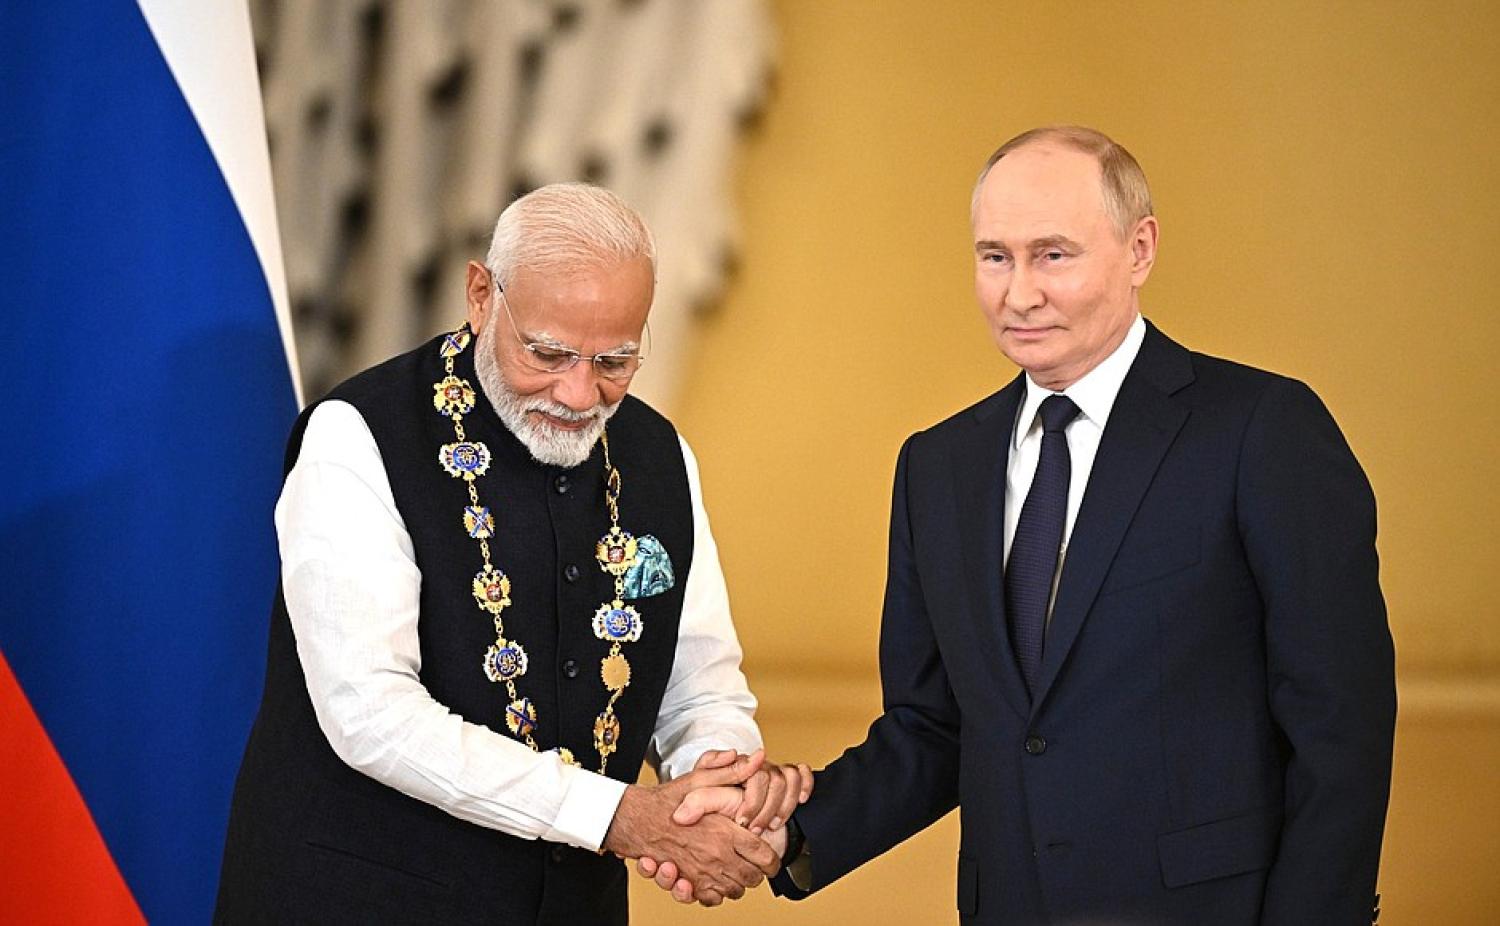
(1023, 294)
(578, 387)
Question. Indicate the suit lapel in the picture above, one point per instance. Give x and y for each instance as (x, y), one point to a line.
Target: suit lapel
(980, 454)
(1142, 425)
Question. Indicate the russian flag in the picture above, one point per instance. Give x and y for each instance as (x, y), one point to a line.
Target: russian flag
(148, 374)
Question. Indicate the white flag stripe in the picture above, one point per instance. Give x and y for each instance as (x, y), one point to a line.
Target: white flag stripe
(209, 48)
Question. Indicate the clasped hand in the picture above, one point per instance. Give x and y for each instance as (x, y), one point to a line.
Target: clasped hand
(714, 832)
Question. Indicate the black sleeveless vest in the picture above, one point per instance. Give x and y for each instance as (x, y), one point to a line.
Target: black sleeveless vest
(312, 840)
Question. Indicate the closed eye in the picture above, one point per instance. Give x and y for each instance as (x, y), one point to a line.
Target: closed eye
(615, 363)
(550, 354)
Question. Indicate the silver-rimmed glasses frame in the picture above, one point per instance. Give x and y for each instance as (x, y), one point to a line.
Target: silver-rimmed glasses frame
(559, 358)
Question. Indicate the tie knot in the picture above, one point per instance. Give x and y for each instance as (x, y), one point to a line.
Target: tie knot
(1056, 412)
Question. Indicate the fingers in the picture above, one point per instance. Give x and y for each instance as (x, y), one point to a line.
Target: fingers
(741, 770)
(759, 855)
(799, 786)
(807, 783)
(756, 789)
(720, 859)
(716, 758)
(746, 866)
(747, 766)
(768, 798)
(731, 773)
(664, 874)
(771, 807)
(722, 800)
(715, 893)
(709, 898)
(790, 799)
(667, 877)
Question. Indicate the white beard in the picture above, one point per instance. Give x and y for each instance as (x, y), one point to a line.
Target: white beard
(548, 445)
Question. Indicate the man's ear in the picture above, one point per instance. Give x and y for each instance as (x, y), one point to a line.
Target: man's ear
(1143, 250)
(479, 290)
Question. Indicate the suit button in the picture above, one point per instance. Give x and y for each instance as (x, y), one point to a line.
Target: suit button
(558, 853)
(571, 572)
(1035, 745)
(570, 668)
(561, 485)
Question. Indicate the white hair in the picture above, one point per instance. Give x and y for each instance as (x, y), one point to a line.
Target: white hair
(566, 225)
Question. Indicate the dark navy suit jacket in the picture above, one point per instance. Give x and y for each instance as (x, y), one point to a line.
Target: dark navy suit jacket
(1210, 741)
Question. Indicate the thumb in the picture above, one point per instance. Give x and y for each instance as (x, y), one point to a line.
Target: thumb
(698, 804)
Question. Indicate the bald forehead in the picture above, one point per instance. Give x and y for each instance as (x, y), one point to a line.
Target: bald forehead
(1049, 154)
(1037, 190)
(1050, 168)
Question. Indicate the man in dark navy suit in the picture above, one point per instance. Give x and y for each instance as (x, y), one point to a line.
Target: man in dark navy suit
(1133, 624)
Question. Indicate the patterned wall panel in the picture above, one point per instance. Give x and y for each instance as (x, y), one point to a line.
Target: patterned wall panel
(400, 128)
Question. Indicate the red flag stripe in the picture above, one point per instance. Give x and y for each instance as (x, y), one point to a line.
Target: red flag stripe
(54, 866)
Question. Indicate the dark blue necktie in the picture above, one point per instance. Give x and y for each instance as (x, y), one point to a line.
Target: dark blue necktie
(1038, 540)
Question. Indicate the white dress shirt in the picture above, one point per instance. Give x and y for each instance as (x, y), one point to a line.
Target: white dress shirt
(1094, 394)
(352, 591)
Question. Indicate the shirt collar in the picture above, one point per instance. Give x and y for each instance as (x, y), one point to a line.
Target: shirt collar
(1094, 394)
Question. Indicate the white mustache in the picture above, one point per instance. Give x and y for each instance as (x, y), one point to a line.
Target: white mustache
(562, 412)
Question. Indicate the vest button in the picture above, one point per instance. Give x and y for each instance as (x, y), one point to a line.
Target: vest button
(571, 572)
(570, 668)
(558, 853)
(561, 485)
(1035, 745)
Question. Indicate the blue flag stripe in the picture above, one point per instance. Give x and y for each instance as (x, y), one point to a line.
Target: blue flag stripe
(147, 400)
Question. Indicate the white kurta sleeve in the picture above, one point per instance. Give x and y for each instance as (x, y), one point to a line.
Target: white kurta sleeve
(353, 590)
(708, 704)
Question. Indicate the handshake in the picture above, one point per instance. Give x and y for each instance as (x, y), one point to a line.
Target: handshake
(714, 832)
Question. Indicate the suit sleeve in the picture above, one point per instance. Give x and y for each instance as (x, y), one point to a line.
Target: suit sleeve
(1307, 520)
(904, 776)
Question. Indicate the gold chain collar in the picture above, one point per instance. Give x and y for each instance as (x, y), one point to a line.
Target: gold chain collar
(615, 622)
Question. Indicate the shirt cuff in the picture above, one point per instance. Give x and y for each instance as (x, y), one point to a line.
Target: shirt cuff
(800, 871)
(587, 809)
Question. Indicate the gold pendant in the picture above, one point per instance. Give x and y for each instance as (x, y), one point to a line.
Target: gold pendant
(491, 587)
(465, 460)
(617, 622)
(616, 551)
(520, 716)
(615, 672)
(453, 396)
(454, 343)
(479, 522)
(505, 661)
(606, 733)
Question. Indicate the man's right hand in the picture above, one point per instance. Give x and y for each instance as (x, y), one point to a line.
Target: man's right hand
(719, 858)
(737, 803)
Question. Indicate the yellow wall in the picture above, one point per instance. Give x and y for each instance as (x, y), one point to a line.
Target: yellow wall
(1326, 178)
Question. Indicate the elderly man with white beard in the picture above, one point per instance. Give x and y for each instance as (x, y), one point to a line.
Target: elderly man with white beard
(496, 603)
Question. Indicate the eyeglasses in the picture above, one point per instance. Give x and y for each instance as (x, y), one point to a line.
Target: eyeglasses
(615, 366)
